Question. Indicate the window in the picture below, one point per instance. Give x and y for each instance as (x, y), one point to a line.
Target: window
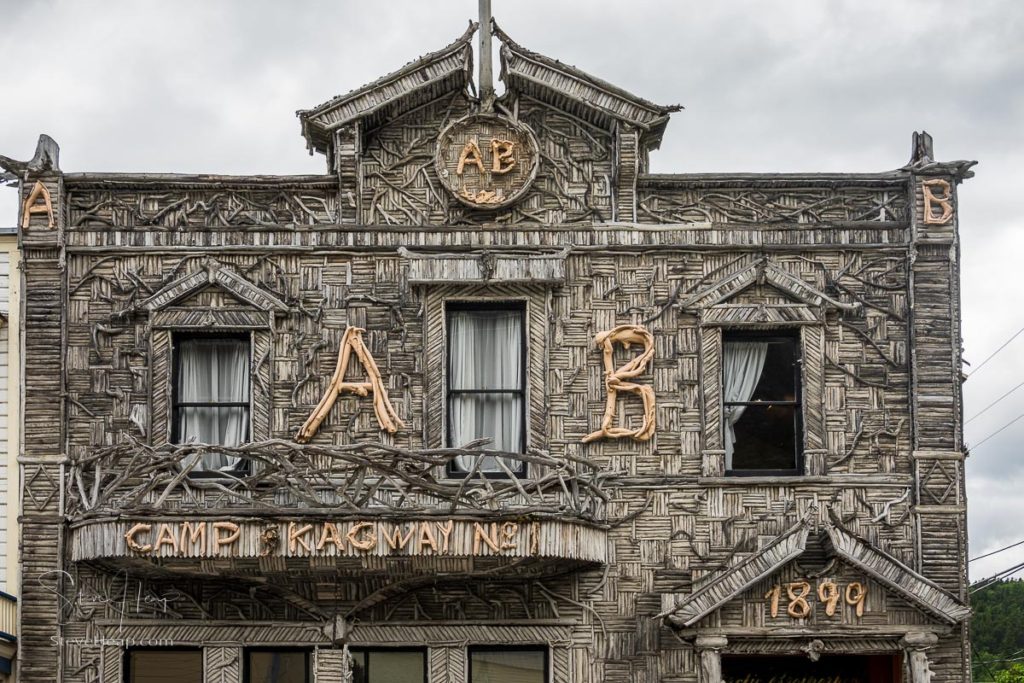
(276, 666)
(211, 395)
(508, 665)
(388, 665)
(486, 384)
(164, 666)
(761, 406)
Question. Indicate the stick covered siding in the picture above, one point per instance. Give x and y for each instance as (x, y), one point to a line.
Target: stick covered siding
(623, 541)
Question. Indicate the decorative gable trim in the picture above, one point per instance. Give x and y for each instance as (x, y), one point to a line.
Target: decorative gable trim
(684, 611)
(763, 271)
(579, 93)
(213, 273)
(730, 583)
(484, 268)
(898, 577)
(425, 79)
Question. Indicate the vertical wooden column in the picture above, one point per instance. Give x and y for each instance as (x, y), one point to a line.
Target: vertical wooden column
(713, 452)
(916, 646)
(42, 440)
(627, 168)
(331, 666)
(709, 655)
(447, 665)
(347, 149)
(936, 407)
(222, 664)
(111, 669)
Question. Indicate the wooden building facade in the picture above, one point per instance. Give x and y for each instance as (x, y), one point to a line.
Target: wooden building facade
(489, 401)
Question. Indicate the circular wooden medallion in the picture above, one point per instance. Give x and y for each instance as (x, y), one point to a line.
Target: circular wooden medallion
(486, 161)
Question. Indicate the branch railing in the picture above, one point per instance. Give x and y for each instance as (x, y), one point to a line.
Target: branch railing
(279, 477)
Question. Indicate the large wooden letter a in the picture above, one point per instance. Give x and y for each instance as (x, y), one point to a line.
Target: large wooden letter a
(614, 382)
(386, 415)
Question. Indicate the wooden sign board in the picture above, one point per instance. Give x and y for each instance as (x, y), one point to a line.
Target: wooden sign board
(438, 537)
(487, 161)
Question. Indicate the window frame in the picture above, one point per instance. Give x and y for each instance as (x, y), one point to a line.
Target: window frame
(794, 337)
(176, 338)
(545, 649)
(521, 307)
(126, 662)
(403, 648)
(247, 667)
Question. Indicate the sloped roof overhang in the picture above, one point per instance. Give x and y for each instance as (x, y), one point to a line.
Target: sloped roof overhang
(448, 70)
(577, 92)
(685, 611)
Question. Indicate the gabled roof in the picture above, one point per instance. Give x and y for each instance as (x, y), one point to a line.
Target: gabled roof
(418, 82)
(213, 273)
(577, 92)
(879, 565)
(730, 583)
(762, 271)
(898, 577)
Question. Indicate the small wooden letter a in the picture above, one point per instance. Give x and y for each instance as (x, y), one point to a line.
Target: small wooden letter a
(32, 205)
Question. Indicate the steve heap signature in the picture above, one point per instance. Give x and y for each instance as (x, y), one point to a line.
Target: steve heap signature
(82, 601)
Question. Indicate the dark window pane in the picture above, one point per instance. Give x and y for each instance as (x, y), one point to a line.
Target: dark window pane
(485, 349)
(389, 666)
(165, 666)
(507, 666)
(778, 378)
(278, 667)
(765, 438)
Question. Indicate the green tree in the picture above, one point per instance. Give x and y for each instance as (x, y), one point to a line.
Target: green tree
(1015, 674)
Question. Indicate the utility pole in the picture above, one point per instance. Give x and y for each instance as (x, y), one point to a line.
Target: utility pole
(486, 76)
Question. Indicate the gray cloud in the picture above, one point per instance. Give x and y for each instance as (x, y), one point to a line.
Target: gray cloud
(778, 85)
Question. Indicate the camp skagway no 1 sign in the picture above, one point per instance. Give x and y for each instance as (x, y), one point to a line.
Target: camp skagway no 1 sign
(487, 161)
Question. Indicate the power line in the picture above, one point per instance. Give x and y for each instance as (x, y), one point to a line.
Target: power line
(996, 552)
(993, 354)
(996, 401)
(994, 579)
(1008, 424)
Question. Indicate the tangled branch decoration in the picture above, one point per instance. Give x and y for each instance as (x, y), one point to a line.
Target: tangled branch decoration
(367, 479)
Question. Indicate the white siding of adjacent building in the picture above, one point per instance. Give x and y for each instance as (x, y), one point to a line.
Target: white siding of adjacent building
(10, 391)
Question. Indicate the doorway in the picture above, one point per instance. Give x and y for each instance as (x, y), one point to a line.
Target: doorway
(800, 669)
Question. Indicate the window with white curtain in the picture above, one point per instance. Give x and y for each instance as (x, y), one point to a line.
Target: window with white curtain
(761, 403)
(486, 382)
(211, 396)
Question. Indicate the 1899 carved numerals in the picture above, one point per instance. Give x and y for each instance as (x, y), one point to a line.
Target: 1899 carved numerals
(798, 593)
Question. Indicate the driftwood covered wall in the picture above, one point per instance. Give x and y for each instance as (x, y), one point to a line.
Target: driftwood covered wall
(857, 264)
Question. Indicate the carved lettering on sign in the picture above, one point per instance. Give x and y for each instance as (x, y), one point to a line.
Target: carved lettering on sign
(32, 205)
(219, 541)
(942, 201)
(503, 159)
(387, 418)
(470, 155)
(337, 538)
(487, 161)
(827, 592)
(132, 541)
(615, 380)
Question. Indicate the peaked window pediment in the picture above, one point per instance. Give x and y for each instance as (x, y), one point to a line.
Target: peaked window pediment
(214, 274)
(721, 588)
(798, 302)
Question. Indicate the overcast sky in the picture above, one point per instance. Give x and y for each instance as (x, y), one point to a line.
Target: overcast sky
(784, 85)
